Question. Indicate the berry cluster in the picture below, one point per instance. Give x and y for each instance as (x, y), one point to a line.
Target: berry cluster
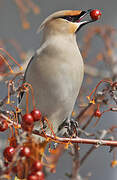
(10, 151)
(29, 119)
(19, 156)
(36, 172)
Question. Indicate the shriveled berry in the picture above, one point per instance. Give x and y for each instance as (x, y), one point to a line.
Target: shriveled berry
(97, 113)
(40, 175)
(28, 119)
(9, 153)
(25, 151)
(3, 125)
(33, 177)
(37, 166)
(36, 114)
(95, 14)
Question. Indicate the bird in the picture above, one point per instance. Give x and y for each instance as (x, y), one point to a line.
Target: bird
(56, 70)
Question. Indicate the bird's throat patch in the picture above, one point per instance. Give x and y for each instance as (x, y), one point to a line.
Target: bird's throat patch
(73, 28)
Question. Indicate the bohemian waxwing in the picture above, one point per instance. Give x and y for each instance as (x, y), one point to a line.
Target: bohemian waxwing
(56, 70)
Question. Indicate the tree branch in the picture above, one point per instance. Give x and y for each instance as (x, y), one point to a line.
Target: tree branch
(99, 142)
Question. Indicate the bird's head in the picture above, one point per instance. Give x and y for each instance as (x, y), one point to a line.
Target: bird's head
(69, 21)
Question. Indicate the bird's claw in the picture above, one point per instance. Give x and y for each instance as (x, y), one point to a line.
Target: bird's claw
(71, 126)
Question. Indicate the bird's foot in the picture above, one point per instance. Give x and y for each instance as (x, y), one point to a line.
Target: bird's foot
(71, 126)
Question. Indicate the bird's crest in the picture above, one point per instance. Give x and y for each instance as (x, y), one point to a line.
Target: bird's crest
(57, 15)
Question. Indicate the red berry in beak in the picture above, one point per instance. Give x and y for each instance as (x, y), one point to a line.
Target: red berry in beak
(95, 14)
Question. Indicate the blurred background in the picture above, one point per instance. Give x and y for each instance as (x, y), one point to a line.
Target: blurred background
(18, 26)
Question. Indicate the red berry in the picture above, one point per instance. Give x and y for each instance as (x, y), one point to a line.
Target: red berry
(3, 125)
(25, 151)
(40, 175)
(95, 14)
(9, 153)
(27, 127)
(98, 113)
(33, 177)
(36, 114)
(28, 119)
(37, 166)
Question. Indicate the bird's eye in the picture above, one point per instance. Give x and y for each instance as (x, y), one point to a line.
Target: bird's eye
(74, 18)
(69, 18)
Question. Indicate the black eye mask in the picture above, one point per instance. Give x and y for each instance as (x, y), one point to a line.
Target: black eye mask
(74, 18)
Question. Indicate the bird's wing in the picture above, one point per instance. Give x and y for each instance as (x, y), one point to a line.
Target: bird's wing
(24, 80)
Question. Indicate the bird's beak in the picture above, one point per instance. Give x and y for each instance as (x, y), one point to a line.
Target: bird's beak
(85, 18)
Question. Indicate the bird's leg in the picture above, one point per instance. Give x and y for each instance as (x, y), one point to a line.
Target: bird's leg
(72, 127)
